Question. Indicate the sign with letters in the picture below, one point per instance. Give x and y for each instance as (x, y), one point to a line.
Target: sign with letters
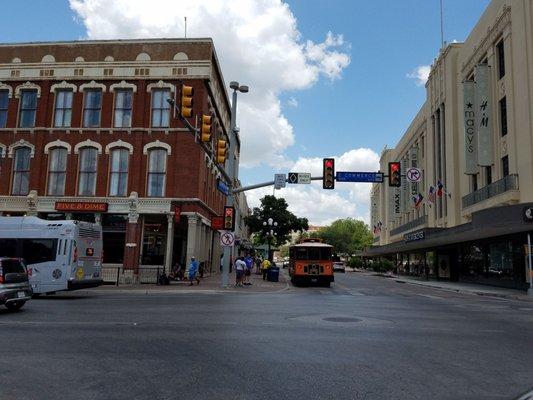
(280, 181)
(484, 115)
(469, 104)
(414, 236)
(79, 206)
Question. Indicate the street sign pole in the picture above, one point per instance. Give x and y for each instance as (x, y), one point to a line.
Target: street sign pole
(229, 199)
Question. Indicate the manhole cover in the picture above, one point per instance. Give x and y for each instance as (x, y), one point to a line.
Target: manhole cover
(341, 319)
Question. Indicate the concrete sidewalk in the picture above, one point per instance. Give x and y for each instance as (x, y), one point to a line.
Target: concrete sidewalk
(458, 287)
(208, 284)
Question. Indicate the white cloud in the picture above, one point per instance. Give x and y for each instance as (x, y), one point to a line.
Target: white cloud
(320, 206)
(421, 74)
(257, 42)
(292, 102)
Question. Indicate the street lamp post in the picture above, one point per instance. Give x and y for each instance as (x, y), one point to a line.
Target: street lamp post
(271, 224)
(232, 170)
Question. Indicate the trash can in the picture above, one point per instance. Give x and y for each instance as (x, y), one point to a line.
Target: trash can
(273, 274)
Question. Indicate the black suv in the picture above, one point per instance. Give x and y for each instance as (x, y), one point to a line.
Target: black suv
(15, 289)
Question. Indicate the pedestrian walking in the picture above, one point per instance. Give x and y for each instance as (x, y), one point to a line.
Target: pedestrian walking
(240, 266)
(221, 262)
(249, 261)
(193, 272)
(265, 267)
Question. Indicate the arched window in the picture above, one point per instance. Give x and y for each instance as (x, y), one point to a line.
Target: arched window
(63, 108)
(21, 171)
(157, 166)
(87, 171)
(57, 171)
(118, 182)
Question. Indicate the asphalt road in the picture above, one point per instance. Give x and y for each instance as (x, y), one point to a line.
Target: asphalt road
(365, 338)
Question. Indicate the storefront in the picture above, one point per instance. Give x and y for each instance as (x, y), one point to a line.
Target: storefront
(490, 250)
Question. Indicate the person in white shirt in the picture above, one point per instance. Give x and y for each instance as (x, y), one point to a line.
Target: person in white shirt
(240, 266)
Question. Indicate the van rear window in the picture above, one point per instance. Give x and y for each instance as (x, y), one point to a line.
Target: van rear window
(12, 267)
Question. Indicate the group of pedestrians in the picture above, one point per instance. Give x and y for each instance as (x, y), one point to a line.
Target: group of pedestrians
(243, 270)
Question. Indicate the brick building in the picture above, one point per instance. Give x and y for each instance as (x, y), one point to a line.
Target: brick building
(86, 133)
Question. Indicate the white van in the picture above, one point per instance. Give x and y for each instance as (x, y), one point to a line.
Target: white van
(60, 255)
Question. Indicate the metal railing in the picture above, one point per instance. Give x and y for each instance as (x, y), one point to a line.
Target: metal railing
(118, 275)
(510, 182)
(410, 225)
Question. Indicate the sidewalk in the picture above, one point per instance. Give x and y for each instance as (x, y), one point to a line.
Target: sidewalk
(209, 284)
(458, 287)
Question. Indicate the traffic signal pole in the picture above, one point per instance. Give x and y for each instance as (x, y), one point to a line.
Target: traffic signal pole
(231, 180)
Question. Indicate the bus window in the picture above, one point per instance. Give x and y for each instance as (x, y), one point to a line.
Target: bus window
(300, 253)
(65, 247)
(39, 250)
(325, 253)
(314, 253)
(8, 248)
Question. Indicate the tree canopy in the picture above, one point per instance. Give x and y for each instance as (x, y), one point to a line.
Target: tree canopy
(347, 236)
(277, 209)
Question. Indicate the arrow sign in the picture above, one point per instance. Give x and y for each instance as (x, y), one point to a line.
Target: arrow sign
(366, 177)
(413, 175)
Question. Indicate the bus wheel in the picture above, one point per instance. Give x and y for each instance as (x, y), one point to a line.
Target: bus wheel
(15, 305)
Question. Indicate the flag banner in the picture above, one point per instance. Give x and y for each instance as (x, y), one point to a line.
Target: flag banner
(394, 203)
(469, 104)
(405, 186)
(484, 115)
(431, 194)
(419, 200)
(413, 155)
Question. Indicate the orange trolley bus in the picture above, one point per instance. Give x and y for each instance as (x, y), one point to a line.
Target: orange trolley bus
(310, 261)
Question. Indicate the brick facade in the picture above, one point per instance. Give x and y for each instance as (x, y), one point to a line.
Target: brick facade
(190, 180)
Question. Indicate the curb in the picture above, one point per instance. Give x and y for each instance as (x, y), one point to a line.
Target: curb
(465, 291)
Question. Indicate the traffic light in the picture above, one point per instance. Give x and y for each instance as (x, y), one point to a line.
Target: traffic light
(206, 128)
(187, 93)
(221, 151)
(229, 218)
(328, 175)
(395, 174)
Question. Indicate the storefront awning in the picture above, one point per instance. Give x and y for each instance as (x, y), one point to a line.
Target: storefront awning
(488, 223)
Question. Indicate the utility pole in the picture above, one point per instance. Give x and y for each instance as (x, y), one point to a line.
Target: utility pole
(231, 171)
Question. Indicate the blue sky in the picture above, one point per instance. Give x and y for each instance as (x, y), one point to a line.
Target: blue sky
(369, 104)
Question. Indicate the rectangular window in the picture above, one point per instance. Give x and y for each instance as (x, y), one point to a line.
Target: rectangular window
(505, 165)
(488, 175)
(160, 108)
(28, 108)
(36, 251)
(57, 171)
(157, 165)
(474, 182)
(63, 109)
(123, 102)
(503, 116)
(501, 59)
(91, 108)
(87, 177)
(21, 171)
(118, 185)
(4, 103)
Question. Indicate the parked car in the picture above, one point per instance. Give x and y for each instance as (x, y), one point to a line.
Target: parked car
(338, 266)
(285, 264)
(15, 289)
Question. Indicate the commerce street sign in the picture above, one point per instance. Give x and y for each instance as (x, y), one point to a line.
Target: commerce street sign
(366, 177)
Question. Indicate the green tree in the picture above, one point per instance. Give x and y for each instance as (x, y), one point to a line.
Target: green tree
(277, 209)
(347, 236)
